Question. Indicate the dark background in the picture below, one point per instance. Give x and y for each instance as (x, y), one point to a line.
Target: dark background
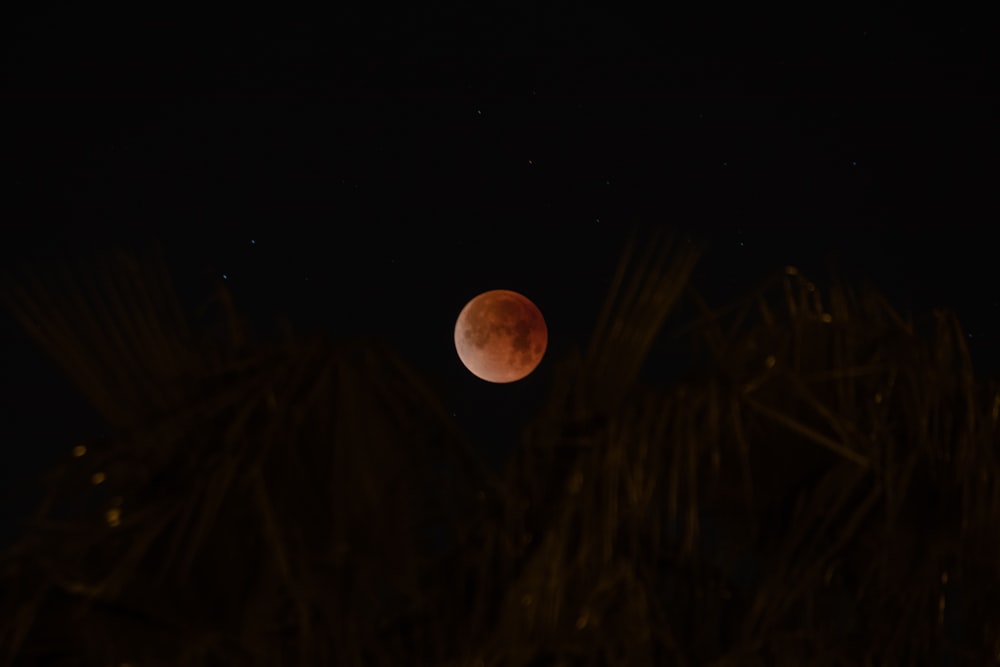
(365, 172)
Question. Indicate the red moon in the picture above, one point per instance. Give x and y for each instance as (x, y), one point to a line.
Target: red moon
(501, 336)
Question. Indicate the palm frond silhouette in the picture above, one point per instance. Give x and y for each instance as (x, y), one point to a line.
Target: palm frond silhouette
(822, 489)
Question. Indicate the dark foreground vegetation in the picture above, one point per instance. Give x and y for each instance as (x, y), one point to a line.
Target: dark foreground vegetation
(821, 487)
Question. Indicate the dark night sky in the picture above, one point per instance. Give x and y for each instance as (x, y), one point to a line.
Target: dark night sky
(366, 174)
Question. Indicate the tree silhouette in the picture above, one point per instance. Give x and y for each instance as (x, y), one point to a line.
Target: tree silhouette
(820, 488)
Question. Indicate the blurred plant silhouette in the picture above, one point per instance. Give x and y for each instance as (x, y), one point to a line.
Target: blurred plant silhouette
(820, 489)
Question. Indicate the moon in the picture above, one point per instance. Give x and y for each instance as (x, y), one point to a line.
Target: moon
(501, 336)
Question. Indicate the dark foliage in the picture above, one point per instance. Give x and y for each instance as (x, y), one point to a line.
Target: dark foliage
(822, 488)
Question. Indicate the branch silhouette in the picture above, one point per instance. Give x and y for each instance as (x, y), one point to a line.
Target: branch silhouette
(819, 489)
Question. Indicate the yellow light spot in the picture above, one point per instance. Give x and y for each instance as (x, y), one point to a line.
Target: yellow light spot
(791, 270)
(581, 622)
(770, 361)
(97, 478)
(113, 516)
(826, 317)
(526, 600)
(944, 577)
(79, 451)
(878, 398)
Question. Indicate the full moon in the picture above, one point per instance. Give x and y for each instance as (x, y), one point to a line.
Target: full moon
(501, 336)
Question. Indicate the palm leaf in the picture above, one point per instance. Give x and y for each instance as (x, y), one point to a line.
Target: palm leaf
(821, 489)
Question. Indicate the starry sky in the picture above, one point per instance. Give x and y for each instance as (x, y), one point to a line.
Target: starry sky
(364, 173)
